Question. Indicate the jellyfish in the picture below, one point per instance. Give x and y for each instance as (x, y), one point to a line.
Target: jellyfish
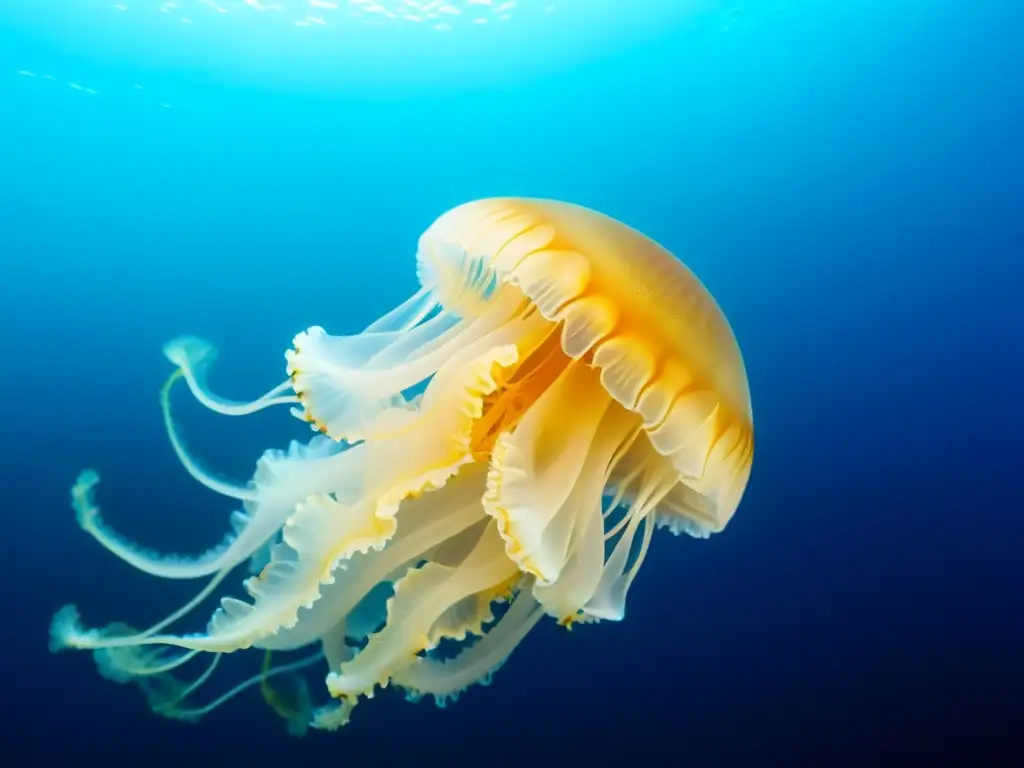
(496, 451)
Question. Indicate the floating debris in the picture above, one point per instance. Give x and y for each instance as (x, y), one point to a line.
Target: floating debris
(78, 87)
(468, 13)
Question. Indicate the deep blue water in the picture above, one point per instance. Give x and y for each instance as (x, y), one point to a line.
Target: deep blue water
(845, 177)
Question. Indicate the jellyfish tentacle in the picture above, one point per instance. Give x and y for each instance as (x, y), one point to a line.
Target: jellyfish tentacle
(333, 646)
(320, 535)
(295, 709)
(333, 716)
(470, 615)
(193, 356)
(409, 314)
(445, 680)
(216, 485)
(87, 512)
(547, 484)
(424, 522)
(194, 713)
(552, 469)
(150, 669)
(296, 575)
(127, 664)
(401, 349)
(281, 480)
(198, 682)
(343, 400)
(317, 537)
(421, 597)
(609, 598)
(575, 534)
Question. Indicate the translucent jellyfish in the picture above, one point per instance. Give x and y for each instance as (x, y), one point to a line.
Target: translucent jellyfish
(497, 449)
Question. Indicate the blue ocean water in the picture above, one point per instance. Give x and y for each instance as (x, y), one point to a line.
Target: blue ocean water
(844, 176)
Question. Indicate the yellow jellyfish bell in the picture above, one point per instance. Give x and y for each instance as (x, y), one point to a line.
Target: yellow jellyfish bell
(498, 448)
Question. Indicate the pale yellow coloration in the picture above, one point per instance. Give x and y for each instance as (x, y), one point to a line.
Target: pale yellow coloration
(511, 435)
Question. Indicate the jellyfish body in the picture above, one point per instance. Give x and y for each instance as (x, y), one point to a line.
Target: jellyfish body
(576, 388)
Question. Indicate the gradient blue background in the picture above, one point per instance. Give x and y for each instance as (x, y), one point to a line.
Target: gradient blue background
(844, 175)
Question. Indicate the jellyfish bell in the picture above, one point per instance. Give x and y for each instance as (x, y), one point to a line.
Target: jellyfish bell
(576, 387)
(625, 305)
